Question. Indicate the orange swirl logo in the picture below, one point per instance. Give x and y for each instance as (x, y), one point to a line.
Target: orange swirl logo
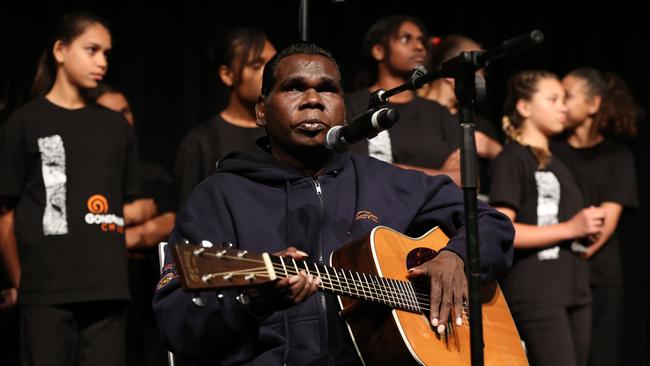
(97, 204)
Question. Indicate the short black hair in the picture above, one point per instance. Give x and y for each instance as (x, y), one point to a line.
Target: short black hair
(238, 44)
(269, 77)
(380, 33)
(384, 28)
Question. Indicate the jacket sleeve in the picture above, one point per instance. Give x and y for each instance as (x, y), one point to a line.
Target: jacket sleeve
(444, 206)
(221, 329)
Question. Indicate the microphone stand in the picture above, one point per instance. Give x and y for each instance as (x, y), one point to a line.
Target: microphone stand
(303, 20)
(469, 89)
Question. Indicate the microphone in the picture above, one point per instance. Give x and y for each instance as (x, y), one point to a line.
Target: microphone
(365, 126)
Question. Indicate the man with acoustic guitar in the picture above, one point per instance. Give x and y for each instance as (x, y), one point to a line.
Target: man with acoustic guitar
(296, 199)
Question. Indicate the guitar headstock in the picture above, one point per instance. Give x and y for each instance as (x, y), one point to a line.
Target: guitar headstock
(203, 268)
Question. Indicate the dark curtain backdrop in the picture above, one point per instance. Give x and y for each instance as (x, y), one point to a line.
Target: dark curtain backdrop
(159, 61)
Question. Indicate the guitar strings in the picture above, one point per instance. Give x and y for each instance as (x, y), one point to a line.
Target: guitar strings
(336, 285)
(389, 292)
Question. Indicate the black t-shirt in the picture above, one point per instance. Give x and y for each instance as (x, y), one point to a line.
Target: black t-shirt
(484, 125)
(605, 173)
(424, 136)
(201, 149)
(70, 171)
(553, 275)
(157, 184)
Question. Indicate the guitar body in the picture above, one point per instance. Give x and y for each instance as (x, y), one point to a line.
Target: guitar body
(386, 336)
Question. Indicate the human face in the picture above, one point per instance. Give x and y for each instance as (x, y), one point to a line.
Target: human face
(580, 106)
(406, 49)
(250, 75)
(118, 103)
(546, 111)
(83, 62)
(304, 103)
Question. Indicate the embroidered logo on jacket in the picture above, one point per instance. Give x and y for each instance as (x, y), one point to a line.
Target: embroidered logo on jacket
(168, 273)
(366, 215)
(164, 280)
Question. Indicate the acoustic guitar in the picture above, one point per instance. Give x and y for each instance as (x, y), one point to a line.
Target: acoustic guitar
(387, 315)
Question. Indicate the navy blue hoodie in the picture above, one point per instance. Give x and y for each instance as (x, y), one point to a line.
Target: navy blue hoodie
(262, 205)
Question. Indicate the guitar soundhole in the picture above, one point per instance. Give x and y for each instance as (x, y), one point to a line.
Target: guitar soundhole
(421, 285)
(418, 256)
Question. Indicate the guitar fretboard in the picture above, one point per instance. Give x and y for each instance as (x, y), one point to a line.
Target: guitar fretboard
(394, 293)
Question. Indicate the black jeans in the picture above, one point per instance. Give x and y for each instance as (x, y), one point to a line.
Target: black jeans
(607, 332)
(83, 334)
(554, 335)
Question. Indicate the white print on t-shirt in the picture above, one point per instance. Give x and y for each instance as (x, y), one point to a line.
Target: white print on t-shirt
(549, 254)
(55, 221)
(379, 147)
(548, 206)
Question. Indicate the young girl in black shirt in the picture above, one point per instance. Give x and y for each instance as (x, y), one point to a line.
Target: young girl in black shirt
(68, 167)
(238, 57)
(599, 105)
(547, 287)
(425, 137)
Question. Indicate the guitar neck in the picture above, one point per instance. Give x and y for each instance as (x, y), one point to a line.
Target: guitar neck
(210, 268)
(394, 293)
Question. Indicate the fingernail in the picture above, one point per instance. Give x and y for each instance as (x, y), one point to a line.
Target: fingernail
(434, 322)
(459, 321)
(317, 281)
(411, 270)
(302, 253)
(441, 329)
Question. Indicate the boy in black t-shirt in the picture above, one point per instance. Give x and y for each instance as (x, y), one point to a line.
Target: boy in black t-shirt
(239, 58)
(427, 136)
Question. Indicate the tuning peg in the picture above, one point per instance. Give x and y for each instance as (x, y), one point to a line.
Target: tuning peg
(242, 253)
(198, 301)
(250, 277)
(243, 298)
(207, 277)
(198, 252)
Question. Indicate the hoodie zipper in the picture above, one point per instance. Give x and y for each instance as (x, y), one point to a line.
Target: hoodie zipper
(323, 305)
